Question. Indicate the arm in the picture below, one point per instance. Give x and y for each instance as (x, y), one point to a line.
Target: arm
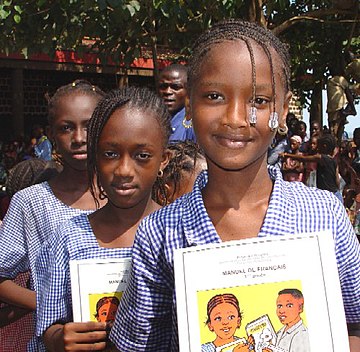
(354, 342)
(90, 336)
(315, 157)
(10, 314)
(144, 321)
(13, 294)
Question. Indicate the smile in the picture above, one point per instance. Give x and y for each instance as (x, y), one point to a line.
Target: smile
(232, 142)
(80, 156)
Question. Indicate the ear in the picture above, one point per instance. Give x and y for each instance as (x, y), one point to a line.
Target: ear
(287, 98)
(165, 159)
(210, 327)
(238, 322)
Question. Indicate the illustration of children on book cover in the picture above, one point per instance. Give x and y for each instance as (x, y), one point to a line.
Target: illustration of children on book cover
(258, 318)
(103, 307)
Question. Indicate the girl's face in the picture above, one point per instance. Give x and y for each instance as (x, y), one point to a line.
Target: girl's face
(294, 145)
(130, 154)
(224, 320)
(107, 312)
(313, 144)
(220, 101)
(69, 128)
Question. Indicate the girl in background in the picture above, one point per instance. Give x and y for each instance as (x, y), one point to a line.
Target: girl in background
(35, 212)
(127, 139)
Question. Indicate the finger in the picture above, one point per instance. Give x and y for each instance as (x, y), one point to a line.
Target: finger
(83, 327)
(85, 337)
(97, 346)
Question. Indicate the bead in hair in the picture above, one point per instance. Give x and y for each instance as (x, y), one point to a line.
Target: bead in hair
(252, 116)
(274, 121)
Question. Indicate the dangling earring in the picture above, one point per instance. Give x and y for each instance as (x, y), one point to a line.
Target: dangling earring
(283, 131)
(102, 194)
(160, 173)
(274, 121)
(252, 116)
(186, 123)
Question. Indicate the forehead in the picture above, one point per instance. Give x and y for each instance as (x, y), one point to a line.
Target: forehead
(237, 65)
(288, 298)
(223, 307)
(172, 75)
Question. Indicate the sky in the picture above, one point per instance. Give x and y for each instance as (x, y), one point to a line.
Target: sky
(354, 121)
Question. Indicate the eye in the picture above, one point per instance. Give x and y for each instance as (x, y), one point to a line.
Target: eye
(65, 128)
(289, 305)
(217, 319)
(110, 154)
(143, 156)
(231, 317)
(259, 101)
(214, 96)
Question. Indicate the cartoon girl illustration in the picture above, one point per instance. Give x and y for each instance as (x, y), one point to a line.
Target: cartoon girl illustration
(106, 308)
(224, 318)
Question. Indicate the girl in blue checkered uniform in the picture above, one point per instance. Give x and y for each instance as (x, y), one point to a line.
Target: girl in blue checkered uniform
(127, 139)
(238, 87)
(36, 211)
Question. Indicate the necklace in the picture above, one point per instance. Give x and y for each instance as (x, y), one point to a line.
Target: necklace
(186, 125)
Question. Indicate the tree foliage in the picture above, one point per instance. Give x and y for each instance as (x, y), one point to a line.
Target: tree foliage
(317, 31)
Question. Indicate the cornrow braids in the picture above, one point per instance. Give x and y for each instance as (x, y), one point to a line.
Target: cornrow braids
(78, 86)
(131, 97)
(234, 29)
(222, 298)
(183, 158)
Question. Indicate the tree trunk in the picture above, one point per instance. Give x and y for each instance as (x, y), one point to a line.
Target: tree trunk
(316, 110)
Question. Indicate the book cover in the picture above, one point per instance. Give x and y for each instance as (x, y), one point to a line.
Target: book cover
(254, 294)
(97, 286)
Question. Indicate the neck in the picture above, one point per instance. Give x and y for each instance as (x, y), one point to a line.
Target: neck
(292, 323)
(247, 185)
(74, 178)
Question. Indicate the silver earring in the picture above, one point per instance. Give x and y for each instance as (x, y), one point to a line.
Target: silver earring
(252, 116)
(274, 121)
(283, 131)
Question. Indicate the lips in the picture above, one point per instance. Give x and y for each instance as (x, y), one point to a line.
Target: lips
(233, 141)
(80, 156)
(125, 189)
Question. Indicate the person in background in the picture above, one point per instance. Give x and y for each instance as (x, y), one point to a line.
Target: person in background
(185, 164)
(36, 211)
(293, 170)
(173, 91)
(42, 147)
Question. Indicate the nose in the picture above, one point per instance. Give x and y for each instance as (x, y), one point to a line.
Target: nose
(124, 168)
(79, 136)
(236, 115)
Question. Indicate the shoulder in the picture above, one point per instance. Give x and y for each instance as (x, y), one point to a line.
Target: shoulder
(34, 192)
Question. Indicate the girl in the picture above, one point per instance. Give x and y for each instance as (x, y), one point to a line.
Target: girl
(127, 138)
(293, 170)
(35, 211)
(185, 164)
(224, 318)
(236, 102)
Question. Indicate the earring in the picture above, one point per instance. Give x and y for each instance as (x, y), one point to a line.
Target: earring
(283, 131)
(273, 121)
(252, 116)
(160, 173)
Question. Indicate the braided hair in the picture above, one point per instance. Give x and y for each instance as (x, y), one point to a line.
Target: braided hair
(219, 299)
(79, 86)
(131, 97)
(248, 32)
(183, 159)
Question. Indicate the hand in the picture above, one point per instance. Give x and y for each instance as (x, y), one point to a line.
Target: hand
(90, 336)
(242, 347)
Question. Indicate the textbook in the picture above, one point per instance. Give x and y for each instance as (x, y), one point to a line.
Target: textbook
(97, 286)
(258, 292)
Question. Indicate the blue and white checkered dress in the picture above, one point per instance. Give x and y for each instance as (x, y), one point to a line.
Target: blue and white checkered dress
(34, 213)
(146, 320)
(73, 240)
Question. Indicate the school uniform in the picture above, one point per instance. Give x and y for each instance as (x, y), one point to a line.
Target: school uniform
(73, 240)
(33, 214)
(146, 319)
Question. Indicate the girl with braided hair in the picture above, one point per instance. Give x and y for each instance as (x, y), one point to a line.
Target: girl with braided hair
(35, 212)
(127, 138)
(238, 99)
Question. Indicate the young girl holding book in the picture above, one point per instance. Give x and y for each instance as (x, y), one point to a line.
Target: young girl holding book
(237, 100)
(127, 137)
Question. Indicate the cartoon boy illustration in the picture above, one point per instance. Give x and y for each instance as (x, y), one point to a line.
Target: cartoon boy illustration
(106, 308)
(293, 336)
(224, 318)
